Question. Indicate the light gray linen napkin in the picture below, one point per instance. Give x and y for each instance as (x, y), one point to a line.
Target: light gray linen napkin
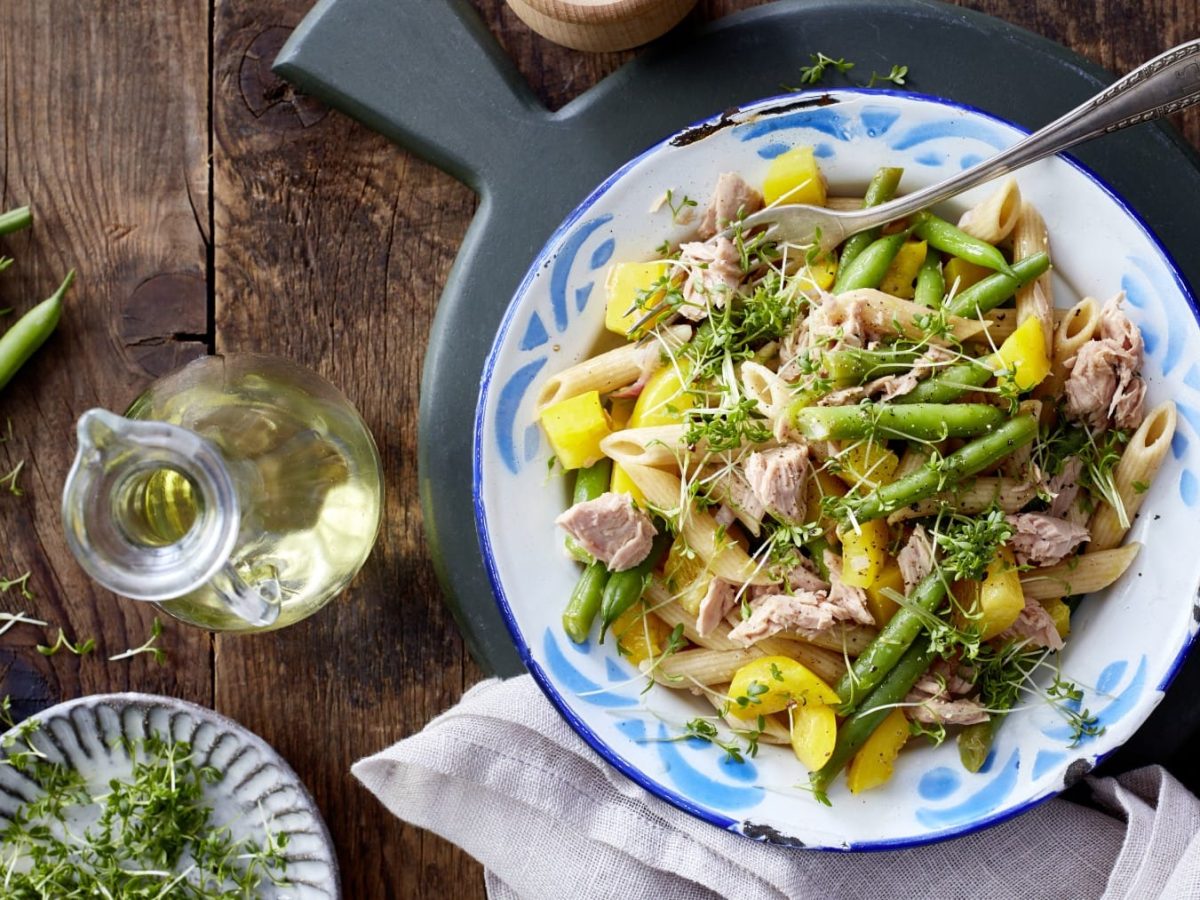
(504, 777)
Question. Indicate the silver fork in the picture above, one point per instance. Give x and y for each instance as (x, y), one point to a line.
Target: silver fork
(1164, 85)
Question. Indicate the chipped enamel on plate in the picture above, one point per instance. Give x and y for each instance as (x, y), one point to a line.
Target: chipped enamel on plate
(1126, 642)
(85, 734)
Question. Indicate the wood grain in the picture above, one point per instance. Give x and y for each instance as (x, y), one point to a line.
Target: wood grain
(108, 143)
(328, 246)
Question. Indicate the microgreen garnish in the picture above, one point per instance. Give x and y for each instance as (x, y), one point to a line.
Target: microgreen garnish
(706, 730)
(21, 582)
(679, 208)
(814, 73)
(896, 76)
(10, 480)
(154, 835)
(62, 643)
(160, 655)
(969, 544)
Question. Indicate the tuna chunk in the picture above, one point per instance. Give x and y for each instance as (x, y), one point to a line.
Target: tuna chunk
(939, 697)
(776, 478)
(802, 578)
(915, 559)
(849, 603)
(1065, 488)
(713, 271)
(1034, 626)
(889, 387)
(1042, 540)
(1104, 385)
(732, 199)
(610, 528)
(804, 611)
(718, 601)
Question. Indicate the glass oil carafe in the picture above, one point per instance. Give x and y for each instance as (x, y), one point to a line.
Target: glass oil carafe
(239, 493)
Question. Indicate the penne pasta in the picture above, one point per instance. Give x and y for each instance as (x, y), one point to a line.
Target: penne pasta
(1139, 464)
(1003, 322)
(775, 730)
(657, 445)
(844, 203)
(607, 371)
(723, 557)
(1093, 571)
(977, 496)
(994, 217)
(704, 666)
(848, 640)
(1034, 300)
(766, 388)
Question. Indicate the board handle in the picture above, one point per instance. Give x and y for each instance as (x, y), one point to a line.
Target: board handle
(428, 75)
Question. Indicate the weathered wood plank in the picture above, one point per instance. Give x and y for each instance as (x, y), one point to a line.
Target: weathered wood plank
(331, 249)
(104, 133)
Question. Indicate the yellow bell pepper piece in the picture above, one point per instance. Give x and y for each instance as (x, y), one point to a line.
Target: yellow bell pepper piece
(686, 575)
(813, 734)
(867, 464)
(998, 598)
(621, 483)
(901, 276)
(620, 412)
(864, 552)
(872, 765)
(771, 683)
(575, 427)
(624, 284)
(820, 273)
(965, 273)
(664, 399)
(1023, 357)
(794, 177)
(640, 635)
(881, 606)
(1060, 613)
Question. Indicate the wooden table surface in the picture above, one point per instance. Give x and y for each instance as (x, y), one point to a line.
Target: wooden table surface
(207, 207)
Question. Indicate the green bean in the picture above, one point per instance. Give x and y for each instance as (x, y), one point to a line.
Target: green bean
(949, 384)
(30, 331)
(590, 482)
(931, 283)
(913, 421)
(15, 220)
(581, 609)
(884, 652)
(853, 733)
(944, 473)
(854, 365)
(975, 741)
(881, 189)
(868, 268)
(951, 239)
(624, 588)
(989, 293)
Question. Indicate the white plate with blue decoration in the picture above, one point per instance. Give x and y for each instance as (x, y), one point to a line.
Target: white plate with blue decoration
(252, 788)
(1127, 642)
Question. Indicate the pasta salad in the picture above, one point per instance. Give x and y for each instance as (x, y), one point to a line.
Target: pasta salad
(851, 499)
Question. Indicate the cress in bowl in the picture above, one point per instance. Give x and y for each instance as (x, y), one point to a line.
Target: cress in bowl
(885, 544)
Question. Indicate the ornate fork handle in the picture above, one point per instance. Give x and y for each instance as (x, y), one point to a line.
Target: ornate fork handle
(1164, 85)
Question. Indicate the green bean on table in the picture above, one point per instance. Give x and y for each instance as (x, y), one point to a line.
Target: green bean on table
(986, 295)
(31, 331)
(913, 421)
(624, 588)
(884, 652)
(853, 733)
(881, 189)
(15, 220)
(940, 234)
(941, 474)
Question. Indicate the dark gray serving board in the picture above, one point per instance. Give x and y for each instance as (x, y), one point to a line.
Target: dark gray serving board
(428, 75)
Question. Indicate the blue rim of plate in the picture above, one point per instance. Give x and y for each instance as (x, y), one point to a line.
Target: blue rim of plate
(608, 753)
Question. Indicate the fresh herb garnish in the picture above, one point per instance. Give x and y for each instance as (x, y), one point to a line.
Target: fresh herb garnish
(160, 655)
(969, 544)
(62, 643)
(679, 208)
(896, 76)
(706, 730)
(814, 73)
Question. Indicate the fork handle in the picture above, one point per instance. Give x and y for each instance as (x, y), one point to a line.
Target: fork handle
(1164, 85)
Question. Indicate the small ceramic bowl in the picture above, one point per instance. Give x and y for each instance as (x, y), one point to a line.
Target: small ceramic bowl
(1126, 643)
(86, 735)
(601, 25)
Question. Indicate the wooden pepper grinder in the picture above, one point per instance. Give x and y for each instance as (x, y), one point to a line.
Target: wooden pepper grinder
(601, 25)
